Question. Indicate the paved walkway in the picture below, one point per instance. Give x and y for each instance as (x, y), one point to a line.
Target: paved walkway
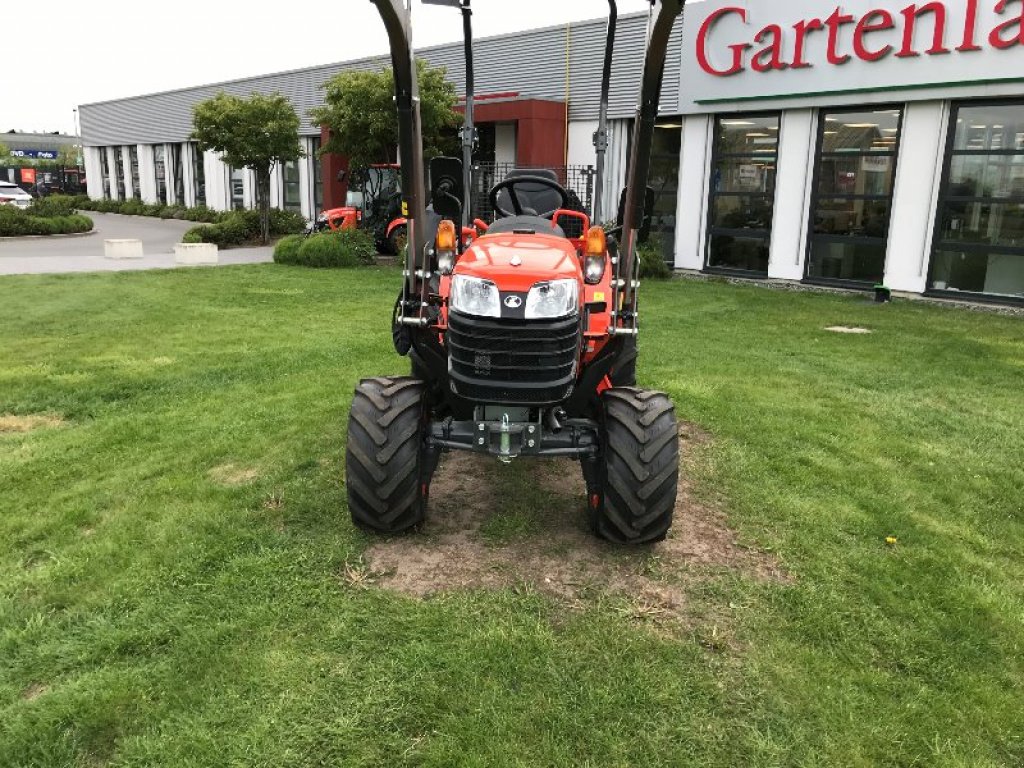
(85, 254)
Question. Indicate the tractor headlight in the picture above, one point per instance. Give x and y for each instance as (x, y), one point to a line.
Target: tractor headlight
(473, 296)
(557, 298)
(593, 269)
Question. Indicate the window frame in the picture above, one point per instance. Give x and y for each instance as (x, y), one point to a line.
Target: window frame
(711, 231)
(817, 195)
(937, 243)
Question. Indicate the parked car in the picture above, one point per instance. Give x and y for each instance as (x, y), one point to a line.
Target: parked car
(12, 194)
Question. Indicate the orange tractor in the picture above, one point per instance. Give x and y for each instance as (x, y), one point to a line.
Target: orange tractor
(522, 342)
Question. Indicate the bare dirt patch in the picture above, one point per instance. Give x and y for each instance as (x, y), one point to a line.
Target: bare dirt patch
(849, 330)
(34, 691)
(233, 474)
(11, 423)
(492, 526)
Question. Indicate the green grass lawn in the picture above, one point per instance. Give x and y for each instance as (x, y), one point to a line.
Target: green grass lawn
(170, 554)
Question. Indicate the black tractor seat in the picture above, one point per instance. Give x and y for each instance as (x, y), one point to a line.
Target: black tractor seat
(525, 224)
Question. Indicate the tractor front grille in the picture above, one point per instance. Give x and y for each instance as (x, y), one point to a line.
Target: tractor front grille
(513, 362)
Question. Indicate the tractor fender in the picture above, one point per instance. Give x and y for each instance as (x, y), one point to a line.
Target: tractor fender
(400, 222)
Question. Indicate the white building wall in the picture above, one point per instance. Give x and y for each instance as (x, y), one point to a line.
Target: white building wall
(126, 168)
(306, 178)
(248, 188)
(93, 171)
(147, 173)
(218, 186)
(277, 186)
(795, 176)
(505, 143)
(581, 142)
(692, 202)
(915, 198)
(112, 167)
(188, 174)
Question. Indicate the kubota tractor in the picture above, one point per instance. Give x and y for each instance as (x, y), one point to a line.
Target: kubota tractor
(522, 343)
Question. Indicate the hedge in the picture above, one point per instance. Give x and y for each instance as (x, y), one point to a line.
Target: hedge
(348, 248)
(15, 222)
(241, 227)
(281, 222)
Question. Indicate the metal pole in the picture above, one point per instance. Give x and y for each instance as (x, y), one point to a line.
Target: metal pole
(601, 137)
(468, 129)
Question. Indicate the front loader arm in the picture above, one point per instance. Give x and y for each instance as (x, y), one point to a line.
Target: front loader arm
(396, 16)
(659, 35)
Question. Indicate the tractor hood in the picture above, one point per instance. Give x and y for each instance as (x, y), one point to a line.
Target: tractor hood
(518, 262)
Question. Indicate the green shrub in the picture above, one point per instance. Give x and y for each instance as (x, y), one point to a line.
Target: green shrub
(286, 222)
(54, 205)
(349, 248)
(15, 222)
(194, 235)
(287, 249)
(652, 261)
(132, 207)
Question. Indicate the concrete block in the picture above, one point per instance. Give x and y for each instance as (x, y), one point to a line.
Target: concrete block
(195, 253)
(122, 249)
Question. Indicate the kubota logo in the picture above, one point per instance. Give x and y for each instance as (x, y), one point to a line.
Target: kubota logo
(513, 302)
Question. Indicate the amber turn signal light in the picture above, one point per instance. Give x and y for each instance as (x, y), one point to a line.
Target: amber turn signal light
(446, 240)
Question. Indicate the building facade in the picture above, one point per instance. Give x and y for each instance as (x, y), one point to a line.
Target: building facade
(873, 141)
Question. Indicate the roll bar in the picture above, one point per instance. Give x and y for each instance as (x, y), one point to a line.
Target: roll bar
(397, 18)
(658, 34)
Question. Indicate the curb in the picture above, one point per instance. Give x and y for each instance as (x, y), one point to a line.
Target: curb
(12, 238)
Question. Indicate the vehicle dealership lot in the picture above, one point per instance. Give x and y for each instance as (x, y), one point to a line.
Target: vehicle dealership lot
(180, 584)
(44, 255)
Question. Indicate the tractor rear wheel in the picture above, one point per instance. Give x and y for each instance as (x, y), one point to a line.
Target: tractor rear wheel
(639, 471)
(397, 240)
(384, 461)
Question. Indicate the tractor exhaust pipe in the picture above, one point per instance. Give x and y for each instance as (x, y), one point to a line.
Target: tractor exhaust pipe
(601, 137)
(658, 34)
(396, 16)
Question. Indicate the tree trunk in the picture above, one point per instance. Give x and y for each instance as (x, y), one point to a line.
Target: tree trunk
(263, 202)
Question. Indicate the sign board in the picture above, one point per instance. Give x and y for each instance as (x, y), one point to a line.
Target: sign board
(41, 154)
(757, 51)
(28, 175)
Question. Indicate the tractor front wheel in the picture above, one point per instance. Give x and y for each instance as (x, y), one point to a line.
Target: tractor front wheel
(638, 471)
(385, 459)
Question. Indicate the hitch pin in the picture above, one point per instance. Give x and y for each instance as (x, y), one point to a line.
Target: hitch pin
(506, 441)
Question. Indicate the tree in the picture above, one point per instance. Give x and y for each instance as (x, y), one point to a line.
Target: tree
(359, 109)
(69, 156)
(255, 133)
(5, 153)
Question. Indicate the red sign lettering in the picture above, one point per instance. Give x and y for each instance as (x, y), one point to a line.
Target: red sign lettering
(917, 25)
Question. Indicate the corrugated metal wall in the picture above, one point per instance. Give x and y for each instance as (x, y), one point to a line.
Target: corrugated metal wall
(531, 63)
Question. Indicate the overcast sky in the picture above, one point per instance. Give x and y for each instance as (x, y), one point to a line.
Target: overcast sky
(121, 48)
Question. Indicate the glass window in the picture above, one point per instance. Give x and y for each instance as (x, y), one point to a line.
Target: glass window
(104, 172)
(664, 180)
(198, 175)
(979, 241)
(133, 156)
(292, 186)
(119, 172)
(743, 192)
(852, 202)
(237, 188)
(178, 174)
(160, 172)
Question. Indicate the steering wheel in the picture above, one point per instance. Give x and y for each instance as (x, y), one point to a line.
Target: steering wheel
(517, 206)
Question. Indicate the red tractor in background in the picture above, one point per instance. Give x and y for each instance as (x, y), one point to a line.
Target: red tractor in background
(523, 342)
